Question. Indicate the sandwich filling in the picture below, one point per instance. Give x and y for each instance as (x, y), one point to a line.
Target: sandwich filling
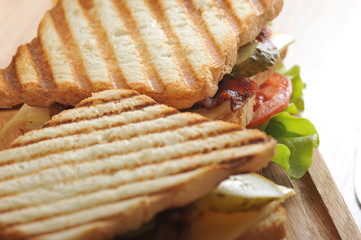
(238, 95)
(257, 56)
(237, 205)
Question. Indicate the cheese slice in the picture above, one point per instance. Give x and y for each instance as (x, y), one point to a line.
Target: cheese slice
(31, 117)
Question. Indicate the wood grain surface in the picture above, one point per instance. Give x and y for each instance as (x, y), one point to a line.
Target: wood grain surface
(328, 53)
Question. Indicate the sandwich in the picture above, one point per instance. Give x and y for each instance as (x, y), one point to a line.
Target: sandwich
(214, 57)
(176, 52)
(112, 165)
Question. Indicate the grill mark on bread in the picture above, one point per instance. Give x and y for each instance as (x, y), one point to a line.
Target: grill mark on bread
(67, 89)
(88, 126)
(109, 113)
(48, 234)
(60, 160)
(127, 166)
(104, 201)
(90, 129)
(176, 183)
(96, 114)
(225, 7)
(188, 73)
(10, 77)
(126, 16)
(194, 160)
(24, 185)
(71, 48)
(45, 200)
(103, 43)
(93, 102)
(45, 74)
(74, 211)
(230, 162)
(84, 141)
(210, 44)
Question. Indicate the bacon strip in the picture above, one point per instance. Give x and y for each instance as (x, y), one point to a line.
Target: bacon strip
(235, 90)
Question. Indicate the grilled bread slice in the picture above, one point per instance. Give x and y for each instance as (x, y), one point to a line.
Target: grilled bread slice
(175, 51)
(113, 162)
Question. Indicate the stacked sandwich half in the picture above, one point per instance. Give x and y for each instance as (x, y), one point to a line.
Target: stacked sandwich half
(112, 163)
(122, 160)
(177, 52)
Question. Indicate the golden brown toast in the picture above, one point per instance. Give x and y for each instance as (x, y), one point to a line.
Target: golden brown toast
(175, 51)
(113, 162)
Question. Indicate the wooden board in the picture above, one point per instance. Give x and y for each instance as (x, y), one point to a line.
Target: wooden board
(318, 211)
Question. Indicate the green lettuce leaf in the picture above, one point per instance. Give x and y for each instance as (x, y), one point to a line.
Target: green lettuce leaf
(297, 86)
(296, 136)
(292, 109)
(299, 136)
(282, 156)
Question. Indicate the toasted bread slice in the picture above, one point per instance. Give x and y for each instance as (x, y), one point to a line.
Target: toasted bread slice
(113, 162)
(174, 51)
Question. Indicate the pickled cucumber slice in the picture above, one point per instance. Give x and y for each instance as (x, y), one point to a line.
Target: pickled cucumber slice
(253, 58)
(241, 193)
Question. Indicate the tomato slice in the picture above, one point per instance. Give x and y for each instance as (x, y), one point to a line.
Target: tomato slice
(273, 97)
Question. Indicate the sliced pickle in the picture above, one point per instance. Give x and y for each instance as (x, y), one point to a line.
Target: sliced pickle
(246, 51)
(253, 58)
(241, 193)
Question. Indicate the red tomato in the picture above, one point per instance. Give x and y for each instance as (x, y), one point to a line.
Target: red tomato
(273, 97)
